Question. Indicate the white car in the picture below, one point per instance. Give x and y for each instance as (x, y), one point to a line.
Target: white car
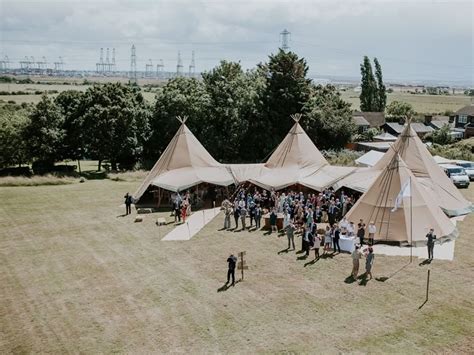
(468, 167)
(457, 174)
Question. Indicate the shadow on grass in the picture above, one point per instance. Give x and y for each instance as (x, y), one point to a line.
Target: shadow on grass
(363, 280)
(327, 256)
(350, 279)
(227, 285)
(425, 262)
(312, 262)
(385, 278)
(426, 300)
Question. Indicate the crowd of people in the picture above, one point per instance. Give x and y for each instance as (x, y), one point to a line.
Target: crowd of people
(302, 213)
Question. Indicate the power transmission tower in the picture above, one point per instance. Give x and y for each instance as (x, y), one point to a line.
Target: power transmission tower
(159, 68)
(149, 68)
(179, 66)
(59, 65)
(100, 64)
(192, 66)
(107, 61)
(4, 63)
(285, 40)
(113, 60)
(133, 66)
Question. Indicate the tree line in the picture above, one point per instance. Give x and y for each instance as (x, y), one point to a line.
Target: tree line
(238, 115)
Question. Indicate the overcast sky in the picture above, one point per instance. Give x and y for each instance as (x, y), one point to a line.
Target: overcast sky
(413, 40)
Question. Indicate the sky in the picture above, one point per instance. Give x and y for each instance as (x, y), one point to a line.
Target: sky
(418, 40)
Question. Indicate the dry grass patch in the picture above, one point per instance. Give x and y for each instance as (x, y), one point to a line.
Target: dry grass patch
(78, 277)
(36, 180)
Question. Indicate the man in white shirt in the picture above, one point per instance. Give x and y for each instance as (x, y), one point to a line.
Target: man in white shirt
(372, 230)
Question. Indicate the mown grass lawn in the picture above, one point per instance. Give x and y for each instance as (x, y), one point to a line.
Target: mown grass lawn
(76, 277)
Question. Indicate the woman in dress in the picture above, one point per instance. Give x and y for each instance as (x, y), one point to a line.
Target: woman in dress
(327, 239)
(369, 261)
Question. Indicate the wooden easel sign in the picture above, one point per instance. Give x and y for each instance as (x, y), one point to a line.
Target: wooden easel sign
(242, 264)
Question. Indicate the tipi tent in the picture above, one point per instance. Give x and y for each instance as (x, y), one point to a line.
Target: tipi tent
(419, 160)
(416, 211)
(183, 164)
(422, 164)
(295, 159)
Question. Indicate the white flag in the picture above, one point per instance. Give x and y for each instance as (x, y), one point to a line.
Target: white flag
(404, 192)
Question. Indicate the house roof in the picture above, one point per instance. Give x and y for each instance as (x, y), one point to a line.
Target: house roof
(466, 110)
(380, 146)
(375, 119)
(417, 127)
(438, 124)
(385, 136)
(360, 121)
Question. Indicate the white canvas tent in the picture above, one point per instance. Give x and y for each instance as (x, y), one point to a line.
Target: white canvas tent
(370, 158)
(419, 160)
(416, 210)
(297, 160)
(183, 164)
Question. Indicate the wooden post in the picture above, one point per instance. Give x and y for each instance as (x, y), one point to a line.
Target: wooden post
(427, 285)
(241, 265)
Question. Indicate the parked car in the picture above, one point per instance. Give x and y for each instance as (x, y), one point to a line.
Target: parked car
(468, 167)
(457, 174)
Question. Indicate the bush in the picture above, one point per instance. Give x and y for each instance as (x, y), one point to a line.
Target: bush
(462, 150)
(41, 167)
(343, 157)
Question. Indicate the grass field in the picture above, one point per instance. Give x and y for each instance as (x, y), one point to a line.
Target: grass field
(78, 278)
(420, 103)
(31, 88)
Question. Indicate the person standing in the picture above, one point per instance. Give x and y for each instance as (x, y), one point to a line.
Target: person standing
(177, 208)
(290, 234)
(369, 261)
(356, 255)
(226, 205)
(258, 216)
(361, 232)
(372, 229)
(317, 244)
(327, 240)
(184, 210)
(430, 243)
(128, 204)
(336, 237)
(232, 261)
(243, 215)
(236, 216)
(273, 221)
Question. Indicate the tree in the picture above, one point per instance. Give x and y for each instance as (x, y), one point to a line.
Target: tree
(286, 91)
(329, 119)
(70, 102)
(373, 96)
(179, 97)
(233, 96)
(368, 94)
(44, 133)
(115, 123)
(381, 90)
(13, 121)
(399, 109)
(441, 136)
